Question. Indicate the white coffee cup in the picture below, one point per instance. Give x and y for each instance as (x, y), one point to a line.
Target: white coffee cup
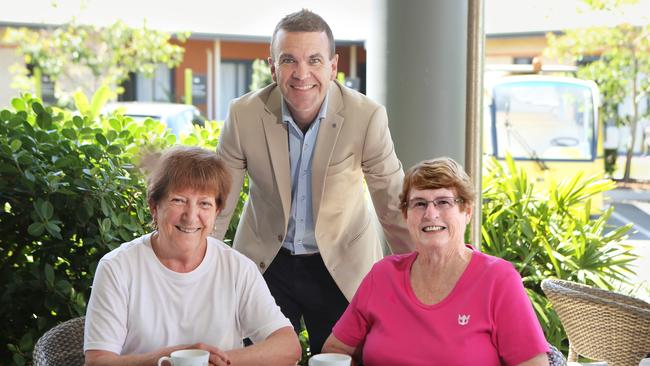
(330, 359)
(187, 357)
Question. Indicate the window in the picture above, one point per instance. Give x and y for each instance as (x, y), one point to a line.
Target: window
(158, 88)
(586, 60)
(235, 79)
(522, 60)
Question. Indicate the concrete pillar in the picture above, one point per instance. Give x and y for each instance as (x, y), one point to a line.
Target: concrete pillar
(216, 68)
(416, 67)
(353, 61)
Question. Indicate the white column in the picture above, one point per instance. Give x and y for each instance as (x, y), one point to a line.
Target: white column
(210, 86)
(217, 80)
(416, 66)
(353, 61)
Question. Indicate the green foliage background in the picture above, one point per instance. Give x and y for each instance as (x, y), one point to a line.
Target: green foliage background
(550, 234)
(70, 191)
(84, 57)
(261, 75)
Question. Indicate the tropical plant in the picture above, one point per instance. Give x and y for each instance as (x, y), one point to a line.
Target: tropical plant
(551, 234)
(622, 70)
(83, 57)
(70, 190)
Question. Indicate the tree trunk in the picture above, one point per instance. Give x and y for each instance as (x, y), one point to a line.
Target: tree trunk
(633, 122)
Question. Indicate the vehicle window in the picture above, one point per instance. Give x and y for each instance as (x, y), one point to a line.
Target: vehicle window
(180, 122)
(545, 120)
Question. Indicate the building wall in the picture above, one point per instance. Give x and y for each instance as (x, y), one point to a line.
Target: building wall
(196, 58)
(8, 57)
(244, 50)
(503, 50)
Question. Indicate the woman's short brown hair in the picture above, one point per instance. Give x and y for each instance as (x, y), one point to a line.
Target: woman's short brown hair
(183, 167)
(436, 174)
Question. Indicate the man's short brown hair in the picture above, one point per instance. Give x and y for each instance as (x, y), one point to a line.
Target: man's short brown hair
(304, 21)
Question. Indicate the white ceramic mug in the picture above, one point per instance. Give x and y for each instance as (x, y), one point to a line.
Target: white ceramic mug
(330, 359)
(187, 357)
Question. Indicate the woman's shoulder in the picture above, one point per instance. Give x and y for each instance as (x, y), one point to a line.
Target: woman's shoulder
(395, 263)
(224, 252)
(128, 249)
(493, 266)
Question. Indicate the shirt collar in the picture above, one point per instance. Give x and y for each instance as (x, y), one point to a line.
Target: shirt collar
(322, 113)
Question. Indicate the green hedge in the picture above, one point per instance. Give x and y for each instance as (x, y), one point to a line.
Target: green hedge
(70, 191)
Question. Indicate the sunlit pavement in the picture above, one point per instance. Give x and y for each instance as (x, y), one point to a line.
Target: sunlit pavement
(639, 167)
(632, 205)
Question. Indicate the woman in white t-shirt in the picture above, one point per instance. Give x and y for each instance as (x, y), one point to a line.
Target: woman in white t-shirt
(177, 287)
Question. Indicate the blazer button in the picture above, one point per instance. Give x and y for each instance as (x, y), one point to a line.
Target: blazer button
(280, 237)
(262, 265)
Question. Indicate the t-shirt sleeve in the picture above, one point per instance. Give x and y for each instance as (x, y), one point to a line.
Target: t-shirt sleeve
(106, 314)
(519, 336)
(354, 324)
(259, 315)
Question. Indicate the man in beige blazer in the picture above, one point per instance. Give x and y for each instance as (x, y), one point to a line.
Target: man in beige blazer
(307, 143)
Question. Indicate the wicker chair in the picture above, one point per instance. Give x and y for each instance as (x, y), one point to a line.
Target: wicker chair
(601, 325)
(61, 345)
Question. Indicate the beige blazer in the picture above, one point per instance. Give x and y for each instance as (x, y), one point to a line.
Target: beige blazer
(353, 142)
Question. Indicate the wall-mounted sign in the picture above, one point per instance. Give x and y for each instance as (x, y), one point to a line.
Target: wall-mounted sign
(47, 90)
(199, 89)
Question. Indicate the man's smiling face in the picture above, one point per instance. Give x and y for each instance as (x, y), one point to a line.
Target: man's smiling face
(302, 67)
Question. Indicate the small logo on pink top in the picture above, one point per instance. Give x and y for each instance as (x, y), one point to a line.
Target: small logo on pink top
(463, 319)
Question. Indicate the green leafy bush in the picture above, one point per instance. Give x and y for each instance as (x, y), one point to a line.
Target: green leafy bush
(551, 234)
(70, 191)
(261, 75)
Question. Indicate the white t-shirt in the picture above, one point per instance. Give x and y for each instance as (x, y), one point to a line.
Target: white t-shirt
(138, 305)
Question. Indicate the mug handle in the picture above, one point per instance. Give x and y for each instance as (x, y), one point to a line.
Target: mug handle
(163, 359)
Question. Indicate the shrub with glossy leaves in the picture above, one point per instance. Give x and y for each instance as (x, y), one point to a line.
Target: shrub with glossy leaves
(70, 191)
(551, 234)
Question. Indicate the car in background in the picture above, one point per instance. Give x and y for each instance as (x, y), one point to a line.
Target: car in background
(180, 118)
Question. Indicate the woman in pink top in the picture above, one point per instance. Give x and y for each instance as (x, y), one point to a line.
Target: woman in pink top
(445, 303)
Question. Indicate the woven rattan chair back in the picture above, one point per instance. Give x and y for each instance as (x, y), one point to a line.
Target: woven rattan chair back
(61, 345)
(601, 325)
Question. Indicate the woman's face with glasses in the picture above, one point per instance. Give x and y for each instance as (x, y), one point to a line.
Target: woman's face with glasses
(435, 219)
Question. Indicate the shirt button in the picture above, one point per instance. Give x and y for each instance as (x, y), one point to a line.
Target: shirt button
(262, 265)
(279, 237)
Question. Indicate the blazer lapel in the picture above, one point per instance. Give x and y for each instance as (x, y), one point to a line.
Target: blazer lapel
(278, 144)
(327, 135)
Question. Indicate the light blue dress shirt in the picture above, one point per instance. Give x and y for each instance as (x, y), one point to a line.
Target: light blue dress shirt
(300, 237)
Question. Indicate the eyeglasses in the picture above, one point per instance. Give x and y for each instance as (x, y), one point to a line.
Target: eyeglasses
(441, 203)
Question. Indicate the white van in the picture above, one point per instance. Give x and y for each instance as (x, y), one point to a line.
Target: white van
(180, 118)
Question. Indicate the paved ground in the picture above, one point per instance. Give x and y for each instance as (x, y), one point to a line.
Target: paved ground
(632, 204)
